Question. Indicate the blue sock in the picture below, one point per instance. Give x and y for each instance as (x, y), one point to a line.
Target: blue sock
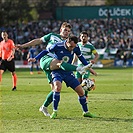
(37, 68)
(31, 69)
(56, 99)
(82, 100)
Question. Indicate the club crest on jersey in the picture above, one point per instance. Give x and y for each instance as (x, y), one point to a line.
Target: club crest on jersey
(65, 58)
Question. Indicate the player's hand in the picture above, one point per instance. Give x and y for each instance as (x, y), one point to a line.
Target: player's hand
(93, 72)
(92, 61)
(18, 47)
(9, 58)
(31, 60)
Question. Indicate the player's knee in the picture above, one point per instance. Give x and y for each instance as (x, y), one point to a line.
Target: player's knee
(79, 90)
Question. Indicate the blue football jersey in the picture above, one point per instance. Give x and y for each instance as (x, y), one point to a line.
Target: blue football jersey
(33, 52)
(61, 52)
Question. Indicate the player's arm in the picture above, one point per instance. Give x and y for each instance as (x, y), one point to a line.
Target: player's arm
(42, 53)
(12, 47)
(31, 43)
(87, 66)
(28, 55)
(39, 56)
(96, 56)
(75, 58)
(83, 60)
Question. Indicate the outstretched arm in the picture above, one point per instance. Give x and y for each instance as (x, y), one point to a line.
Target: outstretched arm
(39, 56)
(83, 60)
(31, 43)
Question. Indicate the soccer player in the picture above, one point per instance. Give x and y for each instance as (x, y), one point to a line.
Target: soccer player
(0, 64)
(90, 54)
(47, 63)
(31, 54)
(7, 52)
(64, 51)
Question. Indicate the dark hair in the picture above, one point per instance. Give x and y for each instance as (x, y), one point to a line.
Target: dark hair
(73, 38)
(84, 32)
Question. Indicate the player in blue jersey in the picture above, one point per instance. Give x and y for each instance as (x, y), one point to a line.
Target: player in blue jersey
(47, 63)
(64, 51)
(31, 54)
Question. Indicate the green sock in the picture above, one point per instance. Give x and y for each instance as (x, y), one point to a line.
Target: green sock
(86, 93)
(49, 99)
(68, 67)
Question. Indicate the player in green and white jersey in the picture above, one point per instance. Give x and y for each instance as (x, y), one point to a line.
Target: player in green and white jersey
(90, 54)
(47, 62)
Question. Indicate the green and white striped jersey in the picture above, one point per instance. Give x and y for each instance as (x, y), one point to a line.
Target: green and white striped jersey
(87, 51)
(51, 39)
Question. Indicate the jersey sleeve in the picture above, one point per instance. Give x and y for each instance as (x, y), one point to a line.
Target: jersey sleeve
(52, 48)
(77, 51)
(12, 44)
(93, 49)
(46, 38)
(80, 56)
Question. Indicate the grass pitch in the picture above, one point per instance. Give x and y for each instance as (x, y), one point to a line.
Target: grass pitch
(112, 101)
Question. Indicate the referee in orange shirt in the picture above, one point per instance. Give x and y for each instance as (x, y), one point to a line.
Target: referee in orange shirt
(7, 53)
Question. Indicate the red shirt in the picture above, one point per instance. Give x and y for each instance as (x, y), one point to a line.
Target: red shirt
(7, 48)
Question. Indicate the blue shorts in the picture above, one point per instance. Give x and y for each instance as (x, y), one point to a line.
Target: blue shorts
(67, 77)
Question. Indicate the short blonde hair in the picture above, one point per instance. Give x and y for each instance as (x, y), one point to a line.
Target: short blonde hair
(65, 24)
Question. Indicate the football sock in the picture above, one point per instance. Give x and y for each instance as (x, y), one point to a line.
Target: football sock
(31, 69)
(68, 67)
(37, 68)
(56, 99)
(82, 100)
(0, 77)
(86, 93)
(49, 99)
(14, 79)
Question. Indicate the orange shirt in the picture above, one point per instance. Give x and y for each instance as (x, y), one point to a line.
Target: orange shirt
(7, 48)
(0, 51)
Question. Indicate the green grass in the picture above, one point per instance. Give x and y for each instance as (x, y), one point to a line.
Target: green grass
(112, 101)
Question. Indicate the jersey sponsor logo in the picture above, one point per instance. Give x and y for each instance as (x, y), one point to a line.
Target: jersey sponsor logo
(65, 58)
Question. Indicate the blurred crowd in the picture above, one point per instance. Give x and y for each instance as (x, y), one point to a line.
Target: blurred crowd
(111, 34)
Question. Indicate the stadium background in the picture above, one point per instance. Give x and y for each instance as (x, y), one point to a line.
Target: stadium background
(109, 23)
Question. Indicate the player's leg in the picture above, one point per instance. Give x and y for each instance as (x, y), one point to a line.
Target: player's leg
(45, 66)
(1, 72)
(83, 102)
(71, 81)
(37, 67)
(75, 85)
(86, 76)
(49, 97)
(31, 68)
(11, 67)
(14, 80)
(56, 64)
(80, 78)
(2, 69)
(81, 69)
(57, 81)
